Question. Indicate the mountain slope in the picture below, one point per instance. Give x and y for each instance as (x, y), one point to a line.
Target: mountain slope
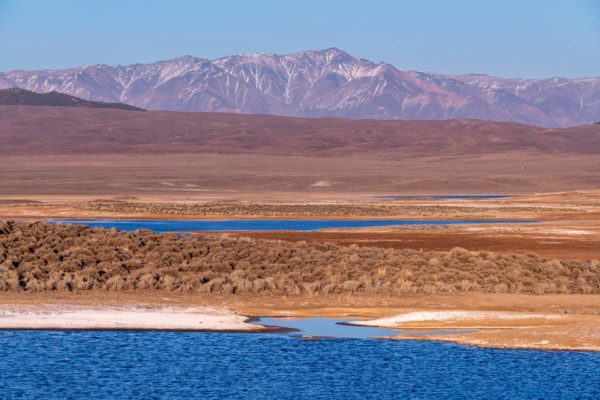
(321, 84)
(22, 97)
(32, 130)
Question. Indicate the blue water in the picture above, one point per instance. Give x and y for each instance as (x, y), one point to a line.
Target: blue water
(448, 197)
(326, 327)
(259, 224)
(333, 328)
(174, 365)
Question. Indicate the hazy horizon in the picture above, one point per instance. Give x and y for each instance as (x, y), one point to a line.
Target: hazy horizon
(510, 39)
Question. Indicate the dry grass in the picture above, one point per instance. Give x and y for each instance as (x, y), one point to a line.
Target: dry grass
(356, 209)
(40, 257)
(18, 202)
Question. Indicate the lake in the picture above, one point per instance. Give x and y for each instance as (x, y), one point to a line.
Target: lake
(447, 197)
(178, 365)
(262, 224)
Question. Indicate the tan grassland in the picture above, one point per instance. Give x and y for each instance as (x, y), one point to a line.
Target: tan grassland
(543, 268)
(190, 177)
(363, 288)
(569, 224)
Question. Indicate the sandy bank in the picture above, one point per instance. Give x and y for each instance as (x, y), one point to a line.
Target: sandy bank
(123, 318)
(498, 329)
(545, 322)
(463, 317)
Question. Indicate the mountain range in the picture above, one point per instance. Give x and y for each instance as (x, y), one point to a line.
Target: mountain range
(325, 83)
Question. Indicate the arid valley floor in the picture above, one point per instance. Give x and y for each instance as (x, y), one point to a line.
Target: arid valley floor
(550, 316)
(516, 285)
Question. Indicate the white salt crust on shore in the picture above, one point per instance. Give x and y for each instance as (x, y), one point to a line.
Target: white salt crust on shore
(152, 318)
(423, 316)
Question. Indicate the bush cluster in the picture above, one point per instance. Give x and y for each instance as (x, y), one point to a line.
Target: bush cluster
(40, 257)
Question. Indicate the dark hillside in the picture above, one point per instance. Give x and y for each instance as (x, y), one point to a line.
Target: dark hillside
(21, 97)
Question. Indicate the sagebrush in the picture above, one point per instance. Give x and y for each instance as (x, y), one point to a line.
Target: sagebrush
(41, 257)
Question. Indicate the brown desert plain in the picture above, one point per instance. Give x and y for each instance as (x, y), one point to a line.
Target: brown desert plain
(517, 285)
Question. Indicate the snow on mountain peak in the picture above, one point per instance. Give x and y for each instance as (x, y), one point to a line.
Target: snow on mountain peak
(328, 82)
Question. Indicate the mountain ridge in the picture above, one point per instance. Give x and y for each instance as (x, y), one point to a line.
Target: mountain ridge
(321, 83)
(23, 97)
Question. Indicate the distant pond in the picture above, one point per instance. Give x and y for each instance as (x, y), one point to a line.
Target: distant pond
(161, 226)
(446, 197)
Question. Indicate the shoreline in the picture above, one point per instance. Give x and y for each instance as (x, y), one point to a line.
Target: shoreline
(440, 339)
(569, 221)
(124, 318)
(497, 329)
(484, 328)
(568, 228)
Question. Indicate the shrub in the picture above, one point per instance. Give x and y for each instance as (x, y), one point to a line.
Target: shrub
(40, 257)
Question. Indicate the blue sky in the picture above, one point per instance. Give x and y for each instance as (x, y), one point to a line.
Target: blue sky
(510, 38)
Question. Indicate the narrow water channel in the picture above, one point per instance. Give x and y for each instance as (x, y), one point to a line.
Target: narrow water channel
(333, 328)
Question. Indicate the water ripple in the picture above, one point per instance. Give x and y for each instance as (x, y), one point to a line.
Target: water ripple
(170, 365)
